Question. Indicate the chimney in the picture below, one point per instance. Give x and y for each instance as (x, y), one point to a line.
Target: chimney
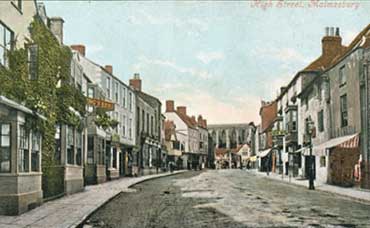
(56, 27)
(200, 120)
(193, 119)
(331, 42)
(80, 48)
(170, 106)
(181, 109)
(136, 82)
(109, 69)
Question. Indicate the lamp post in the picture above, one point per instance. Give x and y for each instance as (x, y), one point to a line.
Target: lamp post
(310, 124)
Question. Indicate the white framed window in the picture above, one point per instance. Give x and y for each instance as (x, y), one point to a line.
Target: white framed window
(130, 128)
(124, 126)
(6, 42)
(124, 97)
(130, 101)
(108, 87)
(23, 149)
(116, 98)
(5, 153)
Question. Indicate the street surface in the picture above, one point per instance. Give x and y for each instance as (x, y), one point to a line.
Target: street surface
(228, 198)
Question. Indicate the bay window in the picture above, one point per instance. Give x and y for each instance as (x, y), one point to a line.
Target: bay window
(35, 154)
(23, 149)
(70, 146)
(5, 148)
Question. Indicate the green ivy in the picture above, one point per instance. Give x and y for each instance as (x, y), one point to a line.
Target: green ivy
(50, 94)
(104, 120)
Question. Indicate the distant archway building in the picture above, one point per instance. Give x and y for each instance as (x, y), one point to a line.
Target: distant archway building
(229, 136)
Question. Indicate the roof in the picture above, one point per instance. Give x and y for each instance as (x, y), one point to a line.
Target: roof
(186, 119)
(223, 151)
(152, 101)
(15, 105)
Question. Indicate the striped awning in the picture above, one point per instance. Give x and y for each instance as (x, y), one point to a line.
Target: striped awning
(348, 141)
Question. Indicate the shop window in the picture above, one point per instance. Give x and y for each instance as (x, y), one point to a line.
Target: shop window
(114, 158)
(176, 145)
(5, 148)
(35, 155)
(79, 148)
(90, 150)
(23, 149)
(70, 146)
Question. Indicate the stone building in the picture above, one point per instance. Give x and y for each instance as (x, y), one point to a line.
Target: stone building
(203, 140)
(266, 156)
(187, 133)
(228, 137)
(120, 139)
(148, 130)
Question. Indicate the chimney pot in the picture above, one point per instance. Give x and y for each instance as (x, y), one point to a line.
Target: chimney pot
(331, 31)
(326, 31)
(136, 82)
(181, 109)
(109, 69)
(170, 106)
(80, 48)
(337, 33)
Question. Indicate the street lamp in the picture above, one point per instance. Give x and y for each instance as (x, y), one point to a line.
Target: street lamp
(310, 125)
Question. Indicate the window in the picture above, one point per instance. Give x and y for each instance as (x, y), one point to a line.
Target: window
(57, 138)
(35, 155)
(124, 97)
(176, 145)
(101, 152)
(137, 120)
(294, 120)
(147, 123)
(70, 146)
(322, 161)
(342, 76)
(4, 148)
(130, 129)
(124, 126)
(143, 117)
(79, 148)
(343, 110)
(130, 101)
(32, 61)
(6, 42)
(23, 149)
(116, 93)
(90, 92)
(108, 87)
(320, 120)
(90, 150)
(319, 91)
(114, 158)
(151, 125)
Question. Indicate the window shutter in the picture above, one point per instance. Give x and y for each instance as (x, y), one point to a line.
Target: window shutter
(33, 61)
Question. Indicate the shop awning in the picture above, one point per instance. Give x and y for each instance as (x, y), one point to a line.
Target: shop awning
(348, 141)
(264, 153)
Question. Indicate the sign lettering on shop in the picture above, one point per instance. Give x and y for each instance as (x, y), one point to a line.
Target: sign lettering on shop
(101, 104)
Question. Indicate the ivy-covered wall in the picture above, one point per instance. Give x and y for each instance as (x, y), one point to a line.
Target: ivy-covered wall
(49, 95)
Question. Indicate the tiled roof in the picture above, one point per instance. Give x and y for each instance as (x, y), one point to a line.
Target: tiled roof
(324, 61)
(187, 120)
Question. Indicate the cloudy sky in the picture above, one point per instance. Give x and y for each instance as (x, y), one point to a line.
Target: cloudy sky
(220, 59)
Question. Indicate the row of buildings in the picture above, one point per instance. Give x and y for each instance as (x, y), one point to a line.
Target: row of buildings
(67, 121)
(319, 122)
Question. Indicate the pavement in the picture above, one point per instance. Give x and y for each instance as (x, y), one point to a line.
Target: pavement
(353, 193)
(71, 210)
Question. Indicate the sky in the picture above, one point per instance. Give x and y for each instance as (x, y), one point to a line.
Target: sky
(220, 59)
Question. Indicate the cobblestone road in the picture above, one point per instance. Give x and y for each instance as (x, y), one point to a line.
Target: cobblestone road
(228, 198)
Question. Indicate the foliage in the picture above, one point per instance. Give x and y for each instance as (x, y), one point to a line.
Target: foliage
(104, 120)
(50, 94)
